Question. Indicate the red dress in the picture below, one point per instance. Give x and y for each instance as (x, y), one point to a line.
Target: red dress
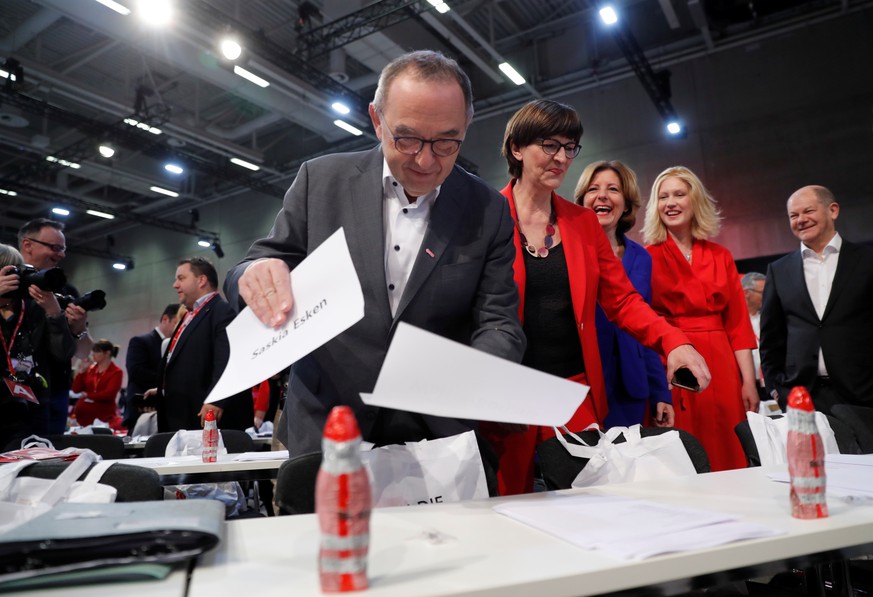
(102, 390)
(595, 276)
(705, 300)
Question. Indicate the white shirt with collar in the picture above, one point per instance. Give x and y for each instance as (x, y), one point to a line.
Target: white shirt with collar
(160, 333)
(405, 226)
(819, 274)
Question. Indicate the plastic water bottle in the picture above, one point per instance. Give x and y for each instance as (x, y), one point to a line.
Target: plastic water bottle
(805, 458)
(210, 438)
(343, 502)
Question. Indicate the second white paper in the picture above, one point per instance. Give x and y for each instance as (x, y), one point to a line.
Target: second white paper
(449, 379)
(327, 301)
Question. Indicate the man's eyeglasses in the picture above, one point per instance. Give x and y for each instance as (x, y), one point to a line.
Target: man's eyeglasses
(413, 145)
(551, 147)
(53, 247)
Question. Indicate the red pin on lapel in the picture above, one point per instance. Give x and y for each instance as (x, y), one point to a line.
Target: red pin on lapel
(429, 252)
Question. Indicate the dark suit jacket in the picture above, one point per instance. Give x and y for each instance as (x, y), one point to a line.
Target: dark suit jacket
(198, 360)
(792, 333)
(460, 287)
(143, 362)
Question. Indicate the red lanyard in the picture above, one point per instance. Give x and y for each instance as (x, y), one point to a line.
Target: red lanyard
(188, 317)
(7, 348)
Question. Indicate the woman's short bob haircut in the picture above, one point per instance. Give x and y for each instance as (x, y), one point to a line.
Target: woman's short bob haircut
(539, 119)
(707, 219)
(629, 188)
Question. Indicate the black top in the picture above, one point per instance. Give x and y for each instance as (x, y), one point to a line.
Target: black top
(549, 323)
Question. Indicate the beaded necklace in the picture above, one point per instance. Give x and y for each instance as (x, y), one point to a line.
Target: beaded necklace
(548, 240)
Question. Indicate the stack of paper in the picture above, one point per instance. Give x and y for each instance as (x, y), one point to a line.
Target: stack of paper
(628, 528)
(847, 475)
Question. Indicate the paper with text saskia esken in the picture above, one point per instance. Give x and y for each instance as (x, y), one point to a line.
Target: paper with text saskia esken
(327, 301)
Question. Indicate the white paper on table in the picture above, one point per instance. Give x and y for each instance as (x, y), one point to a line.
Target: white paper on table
(629, 528)
(253, 456)
(327, 301)
(846, 475)
(449, 379)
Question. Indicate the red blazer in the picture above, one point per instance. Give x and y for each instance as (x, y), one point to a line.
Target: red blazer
(102, 389)
(596, 276)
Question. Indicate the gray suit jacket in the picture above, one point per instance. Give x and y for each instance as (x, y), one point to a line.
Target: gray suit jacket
(792, 333)
(461, 287)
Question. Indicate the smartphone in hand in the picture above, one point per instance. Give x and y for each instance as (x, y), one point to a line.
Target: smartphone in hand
(683, 378)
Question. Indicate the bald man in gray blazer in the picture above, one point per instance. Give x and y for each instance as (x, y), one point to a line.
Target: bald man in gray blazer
(431, 244)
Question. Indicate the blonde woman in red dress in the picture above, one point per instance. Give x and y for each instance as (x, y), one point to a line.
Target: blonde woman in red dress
(695, 285)
(98, 386)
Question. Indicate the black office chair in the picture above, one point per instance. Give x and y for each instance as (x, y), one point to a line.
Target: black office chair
(846, 439)
(108, 447)
(295, 484)
(860, 420)
(559, 468)
(134, 483)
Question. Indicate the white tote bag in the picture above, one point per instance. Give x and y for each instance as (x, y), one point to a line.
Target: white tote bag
(637, 459)
(24, 498)
(771, 437)
(434, 471)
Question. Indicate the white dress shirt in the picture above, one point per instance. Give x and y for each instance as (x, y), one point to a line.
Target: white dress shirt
(405, 227)
(819, 270)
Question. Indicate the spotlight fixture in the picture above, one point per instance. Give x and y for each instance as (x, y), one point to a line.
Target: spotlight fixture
(155, 12)
(440, 6)
(99, 214)
(8, 193)
(123, 264)
(106, 150)
(230, 48)
(60, 211)
(216, 248)
(204, 242)
(674, 128)
(174, 168)
(62, 162)
(608, 15)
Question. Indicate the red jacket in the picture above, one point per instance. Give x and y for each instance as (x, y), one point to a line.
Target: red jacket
(596, 275)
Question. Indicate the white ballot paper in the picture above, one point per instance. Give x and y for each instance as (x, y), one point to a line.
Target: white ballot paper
(449, 379)
(327, 301)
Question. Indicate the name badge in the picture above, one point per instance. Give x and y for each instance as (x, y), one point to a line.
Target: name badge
(21, 390)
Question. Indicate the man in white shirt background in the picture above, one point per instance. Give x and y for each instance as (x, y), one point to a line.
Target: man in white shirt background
(753, 288)
(817, 311)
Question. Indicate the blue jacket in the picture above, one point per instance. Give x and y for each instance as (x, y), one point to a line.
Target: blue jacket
(634, 375)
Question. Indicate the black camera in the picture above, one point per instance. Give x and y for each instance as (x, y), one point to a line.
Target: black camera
(90, 301)
(52, 279)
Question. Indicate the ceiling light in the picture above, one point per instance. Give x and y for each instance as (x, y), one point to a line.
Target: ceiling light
(122, 10)
(60, 211)
(205, 243)
(216, 248)
(511, 73)
(5, 74)
(340, 108)
(106, 150)
(250, 76)
(245, 164)
(674, 127)
(99, 214)
(230, 48)
(155, 12)
(441, 6)
(164, 191)
(143, 126)
(123, 264)
(608, 15)
(62, 162)
(174, 168)
(348, 128)
(10, 193)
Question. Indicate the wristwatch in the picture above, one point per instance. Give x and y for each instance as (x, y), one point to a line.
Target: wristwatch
(81, 335)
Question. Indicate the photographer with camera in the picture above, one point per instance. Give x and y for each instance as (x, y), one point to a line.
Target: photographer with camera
(42, 245)
(34, 335)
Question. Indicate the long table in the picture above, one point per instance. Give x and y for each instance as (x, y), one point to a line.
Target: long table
(181, 470)
(468, 549)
